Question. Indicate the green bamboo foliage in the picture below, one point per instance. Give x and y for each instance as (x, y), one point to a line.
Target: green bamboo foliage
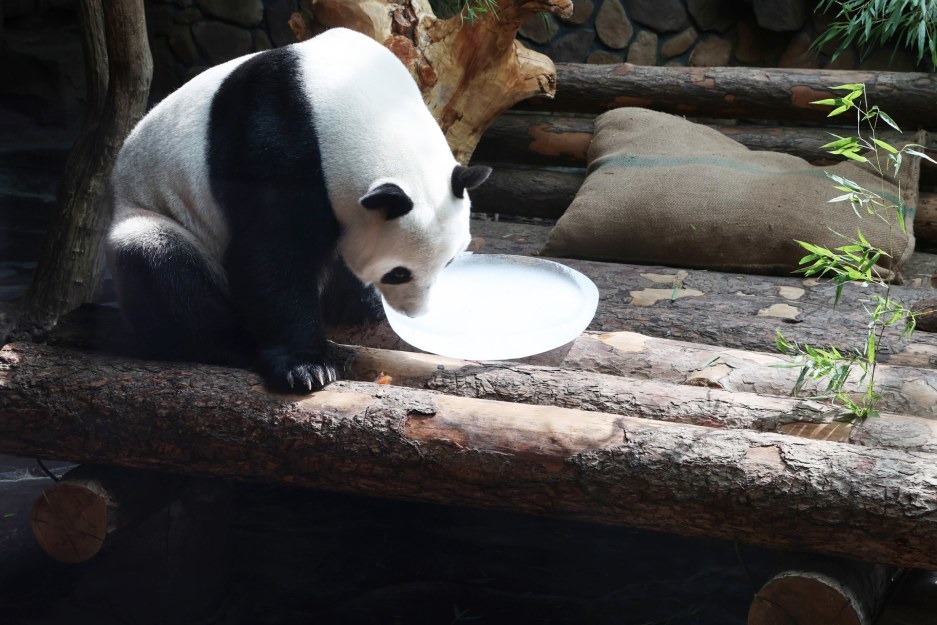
(879, 23)
(855, 262)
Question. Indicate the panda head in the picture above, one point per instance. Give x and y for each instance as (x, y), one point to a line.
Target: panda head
(406, 236)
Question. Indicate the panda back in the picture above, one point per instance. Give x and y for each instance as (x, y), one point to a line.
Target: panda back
(163, 164)
(371, 121)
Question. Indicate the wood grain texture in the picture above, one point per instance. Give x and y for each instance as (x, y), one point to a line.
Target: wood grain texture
(778, 491)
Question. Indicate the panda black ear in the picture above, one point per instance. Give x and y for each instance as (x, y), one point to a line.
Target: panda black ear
(389, 197)
(468, 178)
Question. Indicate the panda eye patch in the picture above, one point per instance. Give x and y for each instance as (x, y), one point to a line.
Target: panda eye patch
(397, 275)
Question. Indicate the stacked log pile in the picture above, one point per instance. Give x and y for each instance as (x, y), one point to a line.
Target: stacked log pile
(670, 413)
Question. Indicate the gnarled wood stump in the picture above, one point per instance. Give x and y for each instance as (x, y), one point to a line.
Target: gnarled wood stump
(469, 71)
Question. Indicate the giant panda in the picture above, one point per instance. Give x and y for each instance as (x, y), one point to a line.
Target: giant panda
(265, 189)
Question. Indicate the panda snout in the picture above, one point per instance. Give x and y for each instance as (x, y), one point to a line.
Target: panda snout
(417, 310)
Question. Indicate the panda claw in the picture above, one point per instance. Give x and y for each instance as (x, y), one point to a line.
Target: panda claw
(297, 373)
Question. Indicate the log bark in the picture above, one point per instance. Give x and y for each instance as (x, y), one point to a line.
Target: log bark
(736, 92)
(767, 489)
(530, 138)
(119, 68)
(543, 192)
(822, 591)
(373, 349)
(470, 71)
(73, 519)
(647, 398)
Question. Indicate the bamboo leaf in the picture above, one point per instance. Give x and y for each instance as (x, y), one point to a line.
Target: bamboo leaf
(884, 145)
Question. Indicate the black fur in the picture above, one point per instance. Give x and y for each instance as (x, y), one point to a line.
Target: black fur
(468, 178)
(390, 198)
(266, 174)
(176, 304)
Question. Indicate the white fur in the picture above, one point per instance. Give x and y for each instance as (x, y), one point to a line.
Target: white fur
(373, 127)
(362, 95)
(162, 166)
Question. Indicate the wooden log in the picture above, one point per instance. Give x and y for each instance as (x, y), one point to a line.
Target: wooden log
(822, 591)
(74, 518)
(905, 390)
(736, 92)
(768, 489)
(532, 138)
(528, 191)
(546, 192)
(119, 68)
(647, 398)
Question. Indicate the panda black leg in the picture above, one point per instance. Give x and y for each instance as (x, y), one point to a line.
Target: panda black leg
(276, 290)
(173, 300)
(346, 301)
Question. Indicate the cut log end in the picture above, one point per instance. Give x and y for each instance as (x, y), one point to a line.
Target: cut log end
(805, 599)
(70, 521)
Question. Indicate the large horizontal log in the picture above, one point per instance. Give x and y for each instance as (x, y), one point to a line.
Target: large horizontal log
(736, 92)
(531, 138)
(373, 349)
(767, 489)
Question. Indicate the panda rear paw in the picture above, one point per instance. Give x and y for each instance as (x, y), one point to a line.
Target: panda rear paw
(296, 372)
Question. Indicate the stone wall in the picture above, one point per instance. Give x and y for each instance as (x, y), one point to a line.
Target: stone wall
(41, 72)
(760, 33)
(186, 36)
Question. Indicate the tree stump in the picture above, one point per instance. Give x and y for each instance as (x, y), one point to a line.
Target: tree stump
(470, 71)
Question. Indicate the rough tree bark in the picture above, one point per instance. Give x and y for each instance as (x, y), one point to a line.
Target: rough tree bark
(905, 390)
(647, 397)
(737, 92)
(469, 72)
(768, 489)
(118, 67)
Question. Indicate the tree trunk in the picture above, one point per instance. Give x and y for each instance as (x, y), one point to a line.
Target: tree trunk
(118, 68)
(470, 71)
(768, 489)
(737, 92)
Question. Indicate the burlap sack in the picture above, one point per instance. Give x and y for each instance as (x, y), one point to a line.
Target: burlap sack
(664, 190)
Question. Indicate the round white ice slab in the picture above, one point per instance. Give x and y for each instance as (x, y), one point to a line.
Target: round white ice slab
(496, 307)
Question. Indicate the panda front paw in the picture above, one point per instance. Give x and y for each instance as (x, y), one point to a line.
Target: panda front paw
(288, 371)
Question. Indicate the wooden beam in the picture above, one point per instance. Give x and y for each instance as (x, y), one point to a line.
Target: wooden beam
(768, 489)
(756, 93)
